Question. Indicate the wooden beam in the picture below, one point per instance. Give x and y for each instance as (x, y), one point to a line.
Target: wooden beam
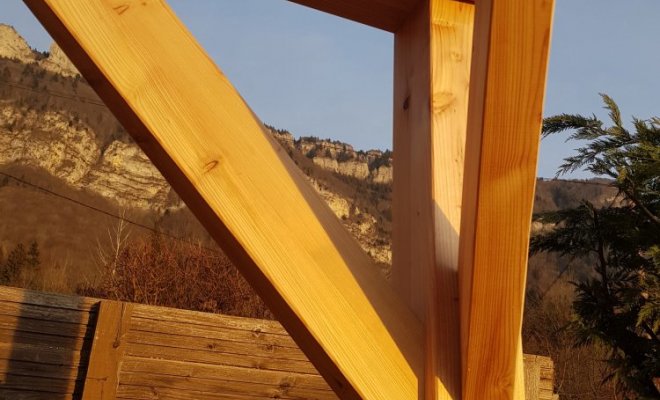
(387, 15)
(431, 74)
(108, 347)
(511, 44)
(244, 188)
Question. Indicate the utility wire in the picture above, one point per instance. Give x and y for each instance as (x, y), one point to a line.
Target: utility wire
(96, 209)
(53, 93)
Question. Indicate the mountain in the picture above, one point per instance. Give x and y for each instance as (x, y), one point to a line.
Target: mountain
(56, 133)
(13, 46)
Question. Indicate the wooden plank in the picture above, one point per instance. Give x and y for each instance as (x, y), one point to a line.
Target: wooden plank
(37, 369)
(216, 346)
(107, 350)
(431, 82)
(225, 372)
(206, 357)
(382, 14)
(53, 386)
(532, 378)
(135, 392)
(43, 340)
(212, 332)
(44, 313)
(511, 43)
(43, 355)
(246, 191)
(16, 323)
(196, 318)
(8, 394)
(212, 378)
(24, 296)
(283, 391)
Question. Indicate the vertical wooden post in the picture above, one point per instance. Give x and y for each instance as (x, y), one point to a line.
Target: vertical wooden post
(511, 44)
(107, 350)
(431, 81)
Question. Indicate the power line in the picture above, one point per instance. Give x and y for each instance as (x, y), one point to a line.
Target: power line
(54, 93)
(109, 214)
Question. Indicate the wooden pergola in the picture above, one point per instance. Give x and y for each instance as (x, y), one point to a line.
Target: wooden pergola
(468, 97)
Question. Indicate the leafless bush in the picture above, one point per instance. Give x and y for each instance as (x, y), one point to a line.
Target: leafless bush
(580, 371)
(161, 271)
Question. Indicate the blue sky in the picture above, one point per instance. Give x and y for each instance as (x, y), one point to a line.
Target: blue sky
(315, 74)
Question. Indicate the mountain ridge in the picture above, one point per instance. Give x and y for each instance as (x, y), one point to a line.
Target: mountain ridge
(53, 124)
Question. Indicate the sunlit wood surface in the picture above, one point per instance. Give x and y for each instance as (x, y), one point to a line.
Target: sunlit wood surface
(244, 188)
(511, 44)
(431, 81)
(382, 14)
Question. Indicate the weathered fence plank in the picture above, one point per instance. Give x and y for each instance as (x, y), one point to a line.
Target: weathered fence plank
(108, 348)
(162, 364)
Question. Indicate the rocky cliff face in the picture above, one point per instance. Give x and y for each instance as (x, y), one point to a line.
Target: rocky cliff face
(12, 45)
(58, 62)
(60, 139)
(373, 165)
(69, 150)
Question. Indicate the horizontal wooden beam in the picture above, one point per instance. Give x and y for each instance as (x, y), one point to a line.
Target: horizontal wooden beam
(244, 188)
(507, 84)
(387, 15)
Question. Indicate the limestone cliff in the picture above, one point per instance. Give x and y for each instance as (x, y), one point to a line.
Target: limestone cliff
(331, 155)
(70, 141)
(58, 62)
(13, 46)
(69, 150)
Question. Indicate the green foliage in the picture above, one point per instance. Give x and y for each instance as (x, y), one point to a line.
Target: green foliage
(618, 304)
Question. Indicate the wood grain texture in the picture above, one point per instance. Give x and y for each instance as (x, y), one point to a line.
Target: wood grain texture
(22, 296)
(212, 332)
(220, 385)
(512, 40)
(107, 351)
(387, 15)
(432, 71)
(248, 361)
(265, 350)
(246, 191)
(225, 372)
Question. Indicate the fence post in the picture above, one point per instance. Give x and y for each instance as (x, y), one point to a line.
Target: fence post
(107, 350)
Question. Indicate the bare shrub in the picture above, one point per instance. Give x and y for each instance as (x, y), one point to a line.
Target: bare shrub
(160, 271)
(581, 372)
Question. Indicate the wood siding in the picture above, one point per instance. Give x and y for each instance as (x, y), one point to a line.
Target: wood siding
(64, 347)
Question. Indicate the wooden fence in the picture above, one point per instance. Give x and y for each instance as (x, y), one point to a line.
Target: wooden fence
(63, 347)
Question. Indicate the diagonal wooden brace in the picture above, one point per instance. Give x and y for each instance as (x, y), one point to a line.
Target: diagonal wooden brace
(243, 187)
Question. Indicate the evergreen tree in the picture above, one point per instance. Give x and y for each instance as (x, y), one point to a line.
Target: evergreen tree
(33, 262)
(618, 306)
(16, 261)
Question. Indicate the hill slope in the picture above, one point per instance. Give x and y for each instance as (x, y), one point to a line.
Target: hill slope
(57, 134)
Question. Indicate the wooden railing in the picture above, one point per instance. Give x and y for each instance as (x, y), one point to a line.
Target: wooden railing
(64, 347)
